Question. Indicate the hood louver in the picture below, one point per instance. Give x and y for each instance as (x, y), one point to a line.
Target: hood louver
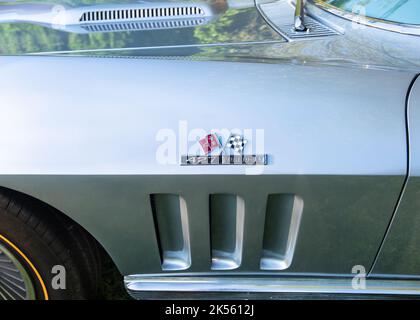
(112, 17)
(315, 30)
(148, 25)
(141, 13)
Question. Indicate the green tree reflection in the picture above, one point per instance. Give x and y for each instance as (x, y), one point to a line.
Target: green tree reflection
(232, 26)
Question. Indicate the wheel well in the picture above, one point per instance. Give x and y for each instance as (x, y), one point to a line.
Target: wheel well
(92, 252)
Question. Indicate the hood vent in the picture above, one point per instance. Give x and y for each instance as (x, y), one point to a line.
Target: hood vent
(151, 13)
(147, 25)
(280, 15)
(74, 19)
(315, 30)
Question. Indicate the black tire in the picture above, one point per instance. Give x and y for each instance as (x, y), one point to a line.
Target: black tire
(41, 238)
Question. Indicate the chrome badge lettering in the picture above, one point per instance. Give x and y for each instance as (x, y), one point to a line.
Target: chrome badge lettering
(235, 144)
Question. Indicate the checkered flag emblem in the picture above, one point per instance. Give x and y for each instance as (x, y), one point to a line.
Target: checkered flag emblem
(236, 142)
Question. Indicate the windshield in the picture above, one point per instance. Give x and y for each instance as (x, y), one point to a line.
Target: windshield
(399, 11)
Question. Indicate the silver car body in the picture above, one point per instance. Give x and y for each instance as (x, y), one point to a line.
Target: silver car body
(95, 130)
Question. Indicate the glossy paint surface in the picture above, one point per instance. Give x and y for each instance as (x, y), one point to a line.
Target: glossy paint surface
(83, 133)
(93, 155)
(160, 105)
(226, 25)
(235, 32)
(342, 224)
(400, 254)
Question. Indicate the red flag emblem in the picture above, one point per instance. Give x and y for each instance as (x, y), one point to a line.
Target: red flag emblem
(209, 143)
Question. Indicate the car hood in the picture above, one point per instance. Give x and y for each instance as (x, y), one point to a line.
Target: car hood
(57, 26)
(239, 30)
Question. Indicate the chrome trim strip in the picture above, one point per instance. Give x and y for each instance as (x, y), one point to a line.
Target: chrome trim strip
(143, 283)
(216, 44)
(403, 28)
(240, 222)
(185, 232)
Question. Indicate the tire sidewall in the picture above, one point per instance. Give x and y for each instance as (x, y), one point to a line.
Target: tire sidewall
(40, 255)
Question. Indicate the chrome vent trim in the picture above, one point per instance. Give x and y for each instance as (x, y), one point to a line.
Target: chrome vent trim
(146, 25)
(280, 16)
(282, 222)
(151, 13)
(170, 217)
(227, 216)
(315, 30)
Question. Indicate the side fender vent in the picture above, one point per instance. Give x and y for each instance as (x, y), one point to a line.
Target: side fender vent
(172, 230)
(227, 214)
(282, 223)
(151, 13)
